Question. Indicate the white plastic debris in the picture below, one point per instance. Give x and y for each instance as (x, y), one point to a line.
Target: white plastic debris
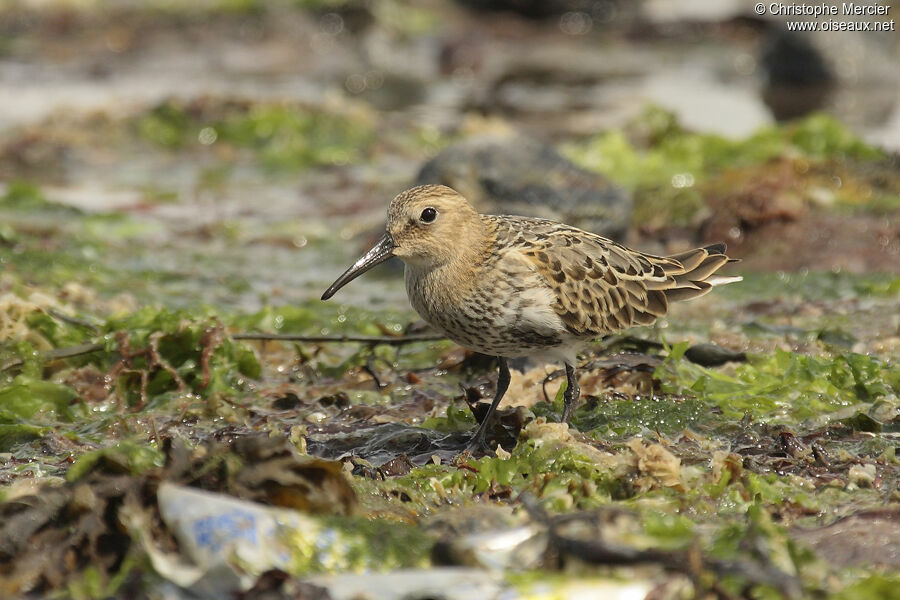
(232, 541)
(219, 532)
(514, 549)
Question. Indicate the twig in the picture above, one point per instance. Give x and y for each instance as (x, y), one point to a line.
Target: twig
(61, 316)
(57, 354)
(339, 339)
(73, 351)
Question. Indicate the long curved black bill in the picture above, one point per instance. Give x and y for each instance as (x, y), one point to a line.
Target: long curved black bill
(380, 252)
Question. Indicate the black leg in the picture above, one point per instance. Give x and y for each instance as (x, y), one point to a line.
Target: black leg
(571, 394)
(478, 442)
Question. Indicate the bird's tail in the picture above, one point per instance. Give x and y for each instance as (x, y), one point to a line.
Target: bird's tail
(691, 274)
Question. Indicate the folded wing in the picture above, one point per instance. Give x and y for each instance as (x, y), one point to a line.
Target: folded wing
(602, 286)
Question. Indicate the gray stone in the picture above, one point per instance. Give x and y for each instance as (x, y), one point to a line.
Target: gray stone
(514, 174)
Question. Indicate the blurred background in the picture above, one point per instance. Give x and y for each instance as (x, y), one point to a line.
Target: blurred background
(242, 152)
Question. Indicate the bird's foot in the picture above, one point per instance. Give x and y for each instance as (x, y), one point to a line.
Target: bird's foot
(479, 444)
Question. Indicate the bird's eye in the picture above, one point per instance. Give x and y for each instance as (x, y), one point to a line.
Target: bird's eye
(428, 215)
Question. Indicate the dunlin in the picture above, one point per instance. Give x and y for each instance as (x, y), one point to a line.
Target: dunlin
(517, 286)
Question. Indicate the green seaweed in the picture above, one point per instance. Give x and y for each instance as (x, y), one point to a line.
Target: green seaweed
(559, 475)
(167, 125)
(55, 245)
(58, 333)
(885, 285)
(457, 418)
(124, 457)
(885, 586)
(13, 435)
(669, 531)
(27, 399)
(284, 137)
(290, 137)
(784, 387)
(21, 195)
(625, 417)
(180, 339)
(667, 173)
(671, 150)
(359, 544)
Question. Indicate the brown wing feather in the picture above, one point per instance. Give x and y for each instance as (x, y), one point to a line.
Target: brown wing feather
(602, 286)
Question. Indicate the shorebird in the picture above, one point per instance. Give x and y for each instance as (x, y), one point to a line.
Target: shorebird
(517, 286)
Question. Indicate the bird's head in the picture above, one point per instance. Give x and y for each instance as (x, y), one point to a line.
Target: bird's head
(428, 226)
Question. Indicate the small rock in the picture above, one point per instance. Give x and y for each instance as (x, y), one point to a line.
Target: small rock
(289, 401)
(711, 355)
(798, 79)
(401, 465)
